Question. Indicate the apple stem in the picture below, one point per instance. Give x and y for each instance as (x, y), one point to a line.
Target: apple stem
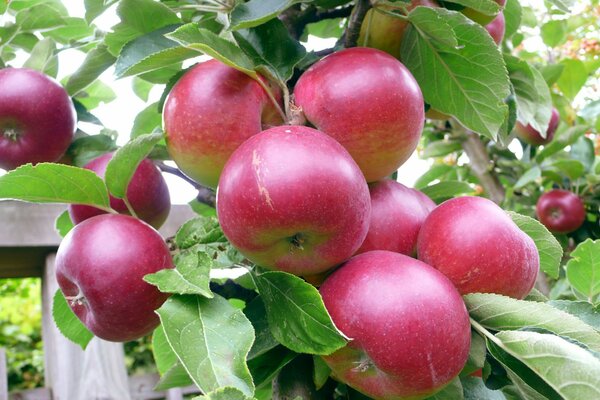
(11, 134)
(77, 300)
(269, 92)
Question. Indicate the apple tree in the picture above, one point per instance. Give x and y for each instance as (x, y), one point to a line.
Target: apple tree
(481, 282)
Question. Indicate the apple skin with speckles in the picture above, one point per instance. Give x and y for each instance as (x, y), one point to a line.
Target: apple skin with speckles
(369, 102)
(147, 193)
(37, 118)
(409, 326)
(100, 266)
(211, 111)
(292, 199)
(496, 28)
(531, 136)
(561, 211)
(479, 248)
(397, 213)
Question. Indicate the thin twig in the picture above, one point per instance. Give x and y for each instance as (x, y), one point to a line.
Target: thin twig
(356, 19)
(205, 194)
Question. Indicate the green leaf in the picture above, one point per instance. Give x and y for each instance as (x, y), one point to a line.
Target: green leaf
(45, 15)
(41, 55)
(571, 371)
(147, 121)
(502, 313)
(297, 315)
(475, 389)
(85, 148)
(583, 151)
(321, 372)
(563, 5)
(73, 30)
(163, 355)
(124, 162)
(512, 17)
(583, 269)
(554, 32)
(561, 140)
(174, 377)
(531, 175)
(138, 17)
(426, 20)
(142, 88)
(94, 8)
(63, 224)
(453, 390)
(573, 77)
(271, 47)
(205, 41)
(534, 104)
(211, 339)
(54, 183)
(487, 7)
(191, 275)
(96, 62)
(266, 366)
(548, 247)
(437, 171)
(552, 72)
(199, 230)
(572, 169)
(224, 393)
(150, 52)
(256, 313)
(257, 12)
(477, 354)
(447, 189)
(95, 94)
(581, 309)
(67, 322)
(472, 74)
(441, 148)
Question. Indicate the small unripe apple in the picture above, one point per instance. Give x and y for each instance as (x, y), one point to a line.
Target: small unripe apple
(210, 111)
(37, 118)
(409, 326)
(531, 136)
(477, 245)
(369, 102)
(147, 193)
(397, 213)
(292, 199)
(480, 18)
(385, 32)
(100, 266)
(496, 28)
(561, 211)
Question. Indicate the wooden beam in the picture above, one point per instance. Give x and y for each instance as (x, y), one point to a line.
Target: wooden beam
(3, 376)
(32, 394)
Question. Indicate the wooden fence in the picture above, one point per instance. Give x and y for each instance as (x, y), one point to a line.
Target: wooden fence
(28, 245)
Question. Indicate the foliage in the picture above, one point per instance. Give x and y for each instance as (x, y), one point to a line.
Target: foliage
(232, 337)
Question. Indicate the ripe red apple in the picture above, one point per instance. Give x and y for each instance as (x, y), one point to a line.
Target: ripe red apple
(292, 199)
(397, 213)
(409, 327)
(480, 18)
(369, 102)
(210, 111)
(560, 211)
(475, 243)
(533, 137)
(100, 267)
(147, 193)
(496, 28)
(385, 32)
(37, 118)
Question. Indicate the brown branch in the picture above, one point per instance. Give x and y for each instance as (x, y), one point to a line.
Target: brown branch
(205, 194)
(295, 18)
(356, 19)
(482, 167)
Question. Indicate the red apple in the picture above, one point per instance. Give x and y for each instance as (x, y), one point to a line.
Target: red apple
(369, 102)
(496, 28)
(480, 18)
(532, 136)
(37, 118)
(385, 32)
(560, 211)
(147, 193)
(292, 199)
(397, 213)
(409, 327)
(100, 267)
(476, 244)
(210, 111)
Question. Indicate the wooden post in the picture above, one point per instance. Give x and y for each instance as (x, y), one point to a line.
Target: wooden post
(98, 373)
(3, 376)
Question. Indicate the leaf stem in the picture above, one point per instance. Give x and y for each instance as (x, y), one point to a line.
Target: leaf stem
(129, 207)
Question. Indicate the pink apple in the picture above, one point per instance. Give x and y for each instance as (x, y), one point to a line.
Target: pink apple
(369, 102)
(409, 327)
(476, 244)
(37, 118)
(147, 193)
(481, 18)
(561, 211)
(100, 266)
(496, 28)
(292, 199)
(397, 213)
(533, 137)
(210, 111)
